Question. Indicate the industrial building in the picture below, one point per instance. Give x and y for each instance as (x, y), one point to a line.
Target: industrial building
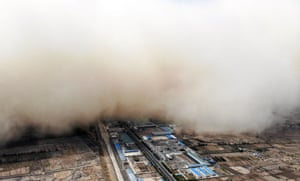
(181, 160)
(135, 165)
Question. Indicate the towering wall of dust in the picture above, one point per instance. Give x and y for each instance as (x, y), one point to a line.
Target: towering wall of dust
(210, 64)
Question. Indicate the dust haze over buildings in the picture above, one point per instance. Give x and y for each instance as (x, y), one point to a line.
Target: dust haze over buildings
(211, 65)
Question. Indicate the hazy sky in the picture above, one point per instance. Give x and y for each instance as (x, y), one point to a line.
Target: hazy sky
(213, 65)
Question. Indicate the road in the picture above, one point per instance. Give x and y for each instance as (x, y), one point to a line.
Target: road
(150, 156)
(105, 137)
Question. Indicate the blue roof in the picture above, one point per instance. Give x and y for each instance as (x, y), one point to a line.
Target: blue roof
(170, 136)
(132, 151)
(149, 137)
(195, 172)
(208, 170)
(165, 128)
(194, 165)
(118, 146)
(180, 143)
(203, 172)
(119, 150)
(131, 175)
(195, 157)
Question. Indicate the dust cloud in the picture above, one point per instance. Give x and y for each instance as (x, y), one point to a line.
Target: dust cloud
(211, 65)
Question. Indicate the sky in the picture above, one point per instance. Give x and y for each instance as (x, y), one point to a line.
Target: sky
(214, 66)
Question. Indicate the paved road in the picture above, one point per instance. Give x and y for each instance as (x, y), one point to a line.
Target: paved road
(150, 156)
(105, 137)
